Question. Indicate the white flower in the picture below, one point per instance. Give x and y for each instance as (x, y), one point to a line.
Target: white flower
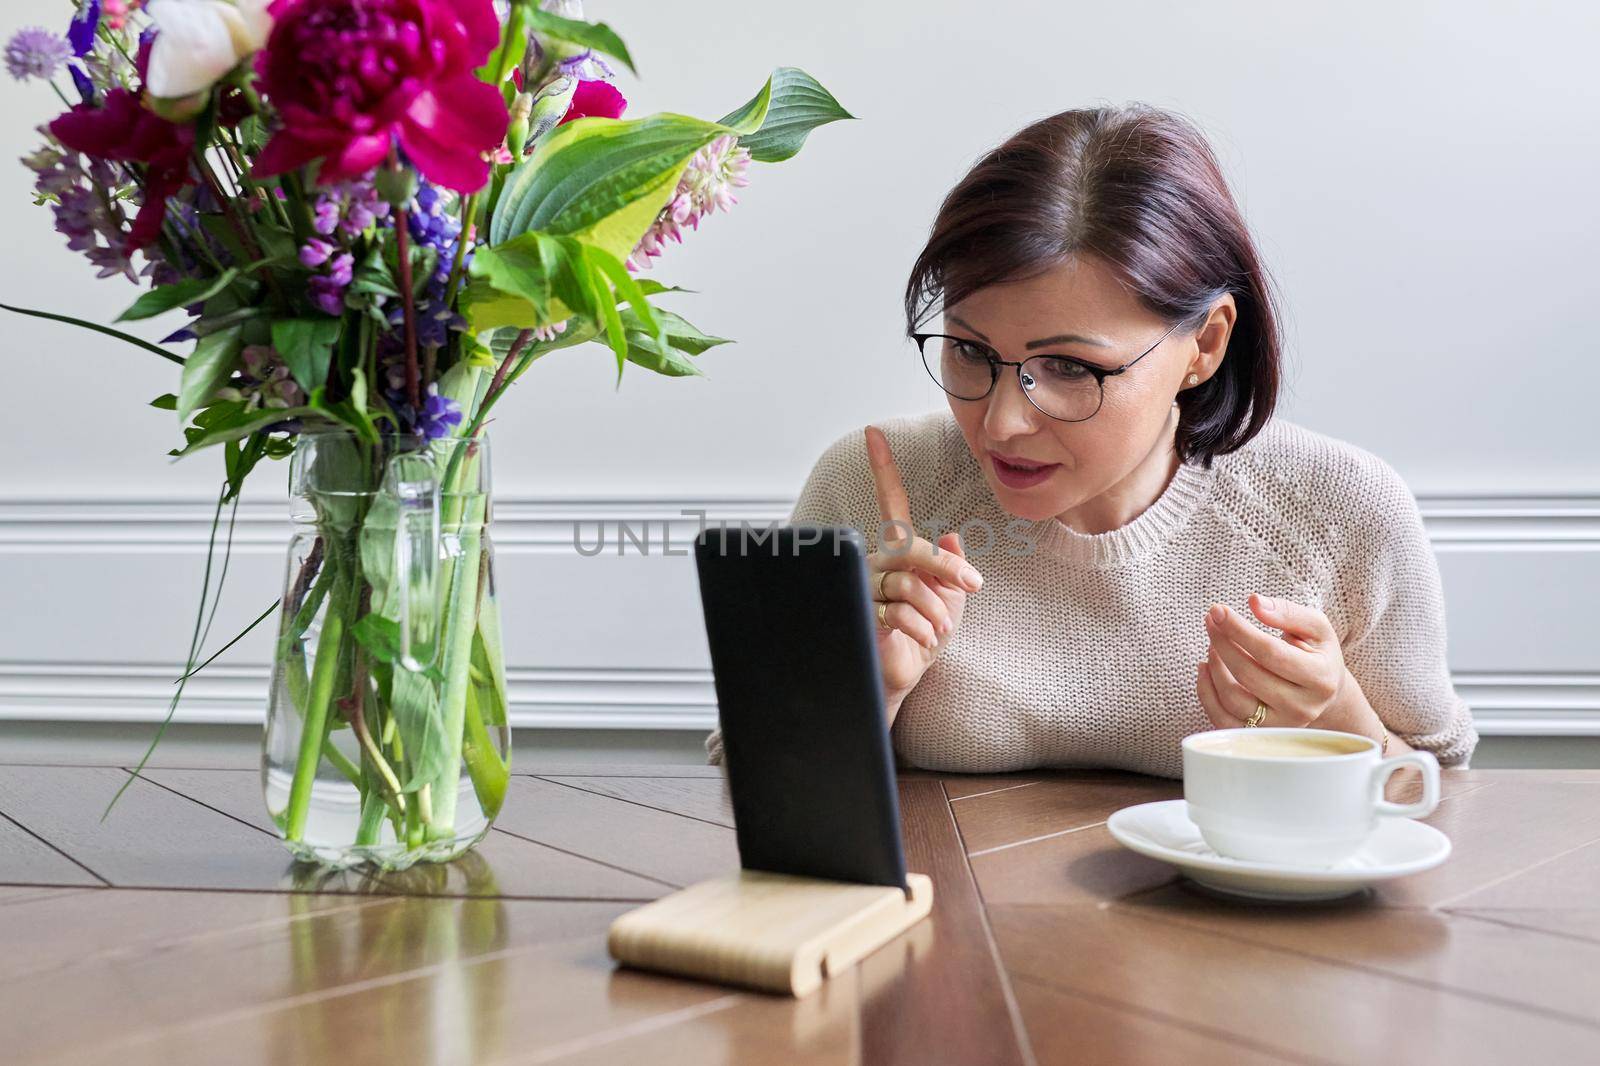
(199, 41)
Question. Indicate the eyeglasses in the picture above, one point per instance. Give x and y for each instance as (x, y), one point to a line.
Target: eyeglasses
(1064, 388)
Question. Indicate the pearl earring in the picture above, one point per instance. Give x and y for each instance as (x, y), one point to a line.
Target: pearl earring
(1194, 379)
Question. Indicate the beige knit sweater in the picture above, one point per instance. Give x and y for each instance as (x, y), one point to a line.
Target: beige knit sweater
(1083, 653)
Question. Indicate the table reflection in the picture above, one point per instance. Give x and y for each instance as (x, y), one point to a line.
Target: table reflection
(421, 975)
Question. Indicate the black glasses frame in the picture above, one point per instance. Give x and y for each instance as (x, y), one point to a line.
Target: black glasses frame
(995, 363)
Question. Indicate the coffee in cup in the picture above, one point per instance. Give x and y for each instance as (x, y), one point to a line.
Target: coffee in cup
(1304, 797)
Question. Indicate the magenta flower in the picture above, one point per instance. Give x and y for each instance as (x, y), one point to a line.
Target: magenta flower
(121, 131)
(351, 77)
(595, 99)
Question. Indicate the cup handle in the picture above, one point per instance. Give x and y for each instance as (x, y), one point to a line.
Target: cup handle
(1429, 766)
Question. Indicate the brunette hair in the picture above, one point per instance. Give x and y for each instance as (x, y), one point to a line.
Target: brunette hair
(1140, 188)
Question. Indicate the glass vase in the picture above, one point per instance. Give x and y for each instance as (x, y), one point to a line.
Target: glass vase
(386, 737)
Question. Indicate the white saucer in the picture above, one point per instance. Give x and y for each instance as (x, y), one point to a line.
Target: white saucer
(1399, 846)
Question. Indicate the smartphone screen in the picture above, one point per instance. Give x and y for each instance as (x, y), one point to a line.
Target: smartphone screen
(805, 740)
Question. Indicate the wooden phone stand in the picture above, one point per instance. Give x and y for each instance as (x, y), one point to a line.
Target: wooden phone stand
(773, 932)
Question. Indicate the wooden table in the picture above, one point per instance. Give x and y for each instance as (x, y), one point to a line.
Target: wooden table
(178, 932)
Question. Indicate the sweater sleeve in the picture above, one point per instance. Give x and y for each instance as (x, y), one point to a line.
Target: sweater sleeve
(822, 501)
(1392, 606)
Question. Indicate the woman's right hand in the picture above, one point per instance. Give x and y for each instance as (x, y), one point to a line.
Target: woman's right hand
(923, 588)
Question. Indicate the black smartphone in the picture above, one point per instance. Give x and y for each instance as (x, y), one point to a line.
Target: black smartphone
(805, 742)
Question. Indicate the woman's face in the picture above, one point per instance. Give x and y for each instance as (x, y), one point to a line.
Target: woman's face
(1076, 462)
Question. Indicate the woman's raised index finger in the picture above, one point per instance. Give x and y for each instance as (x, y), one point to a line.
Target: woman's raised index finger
(893, 504)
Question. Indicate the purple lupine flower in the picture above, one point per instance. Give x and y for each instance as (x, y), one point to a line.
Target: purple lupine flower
(348, 207)
(315, 252)
(327, 289)
(35, 52)
(77, 218)
(341, 269)
(365, 208)
(85, 207)
(326, 218)
(432, 225)
(80, 32)
(342, 213)
(329, 299)
(112, 259)
(439, 415)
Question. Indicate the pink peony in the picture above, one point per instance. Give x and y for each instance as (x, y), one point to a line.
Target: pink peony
(350, 77)
(595, 99)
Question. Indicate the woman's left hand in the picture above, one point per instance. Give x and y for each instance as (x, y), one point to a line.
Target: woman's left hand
(1299, 676)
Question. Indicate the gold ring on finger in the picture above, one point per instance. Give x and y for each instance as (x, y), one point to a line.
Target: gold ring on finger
(1257, 716)
(883, 609)
(883, 576)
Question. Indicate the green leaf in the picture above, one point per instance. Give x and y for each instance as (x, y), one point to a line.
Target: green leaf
(644, 351)
(221, 231)
(377, 549)
(374, 276)
(796, 104)
(540, 278)
(626, 288)
(748, 119)
(603, 306)
(379, 635)
(415, 702)
(488, 653)
(668, 357)
(680, 334)
(488, 309)
(138, 342)
(178, 294)
(165, 402)
(206, 370)
(531, 281)
(652, 287)
(599, 179)
(597, 35)
(238, 424)
(511, 284)
(306, 347)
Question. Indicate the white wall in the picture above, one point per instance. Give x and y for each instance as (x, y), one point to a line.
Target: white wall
(1421, 178)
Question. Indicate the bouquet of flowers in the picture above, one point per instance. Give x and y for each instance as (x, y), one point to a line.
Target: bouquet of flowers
(376, 215)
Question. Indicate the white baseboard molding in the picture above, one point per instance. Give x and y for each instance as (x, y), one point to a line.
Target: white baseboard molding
(1503, 704)
(137, 559)
(1546, 521)
(222, 695)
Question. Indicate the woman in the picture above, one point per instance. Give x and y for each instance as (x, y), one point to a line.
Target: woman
(1107, 542)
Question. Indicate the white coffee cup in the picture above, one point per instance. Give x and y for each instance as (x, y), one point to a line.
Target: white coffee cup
(1306, 797)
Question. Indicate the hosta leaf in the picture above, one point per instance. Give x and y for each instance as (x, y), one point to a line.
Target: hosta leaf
(599, 179)
(796, 104)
